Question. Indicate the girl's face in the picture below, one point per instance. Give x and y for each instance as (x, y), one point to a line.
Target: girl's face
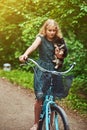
(51, 32)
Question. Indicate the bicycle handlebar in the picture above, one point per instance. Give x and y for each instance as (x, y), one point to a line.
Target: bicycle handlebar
(52, 72)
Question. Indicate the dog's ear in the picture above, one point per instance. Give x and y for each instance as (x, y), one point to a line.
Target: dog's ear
(55, 45)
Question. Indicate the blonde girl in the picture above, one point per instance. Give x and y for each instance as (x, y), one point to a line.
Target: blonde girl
(44, 41)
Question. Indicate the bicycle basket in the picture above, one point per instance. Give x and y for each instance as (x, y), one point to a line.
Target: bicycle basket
(61, 85)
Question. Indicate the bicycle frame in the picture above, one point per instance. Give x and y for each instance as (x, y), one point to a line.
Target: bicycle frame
(48, 113)
(46, 109)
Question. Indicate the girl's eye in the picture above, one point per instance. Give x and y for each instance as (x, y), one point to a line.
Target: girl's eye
(52, 30)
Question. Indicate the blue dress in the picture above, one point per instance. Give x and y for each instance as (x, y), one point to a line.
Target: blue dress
(41, 79)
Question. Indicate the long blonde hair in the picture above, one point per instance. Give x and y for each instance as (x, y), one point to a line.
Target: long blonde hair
(53, 23)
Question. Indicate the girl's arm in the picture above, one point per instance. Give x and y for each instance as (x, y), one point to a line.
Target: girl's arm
(33, 47)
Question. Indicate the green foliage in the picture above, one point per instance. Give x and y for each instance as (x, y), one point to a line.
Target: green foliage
(19, 77)
(77, 103)
(77, 53)
(80, 86)
(21, 20)
(31, 29)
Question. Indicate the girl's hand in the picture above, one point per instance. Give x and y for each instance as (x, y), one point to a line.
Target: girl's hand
(23, 57)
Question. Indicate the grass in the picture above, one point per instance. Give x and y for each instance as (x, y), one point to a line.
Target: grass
(19, 77)
(77, 103)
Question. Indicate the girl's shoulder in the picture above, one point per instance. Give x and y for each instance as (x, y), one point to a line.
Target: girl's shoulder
(41, 36)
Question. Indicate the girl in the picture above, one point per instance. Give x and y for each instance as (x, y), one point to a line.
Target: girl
(44, 41)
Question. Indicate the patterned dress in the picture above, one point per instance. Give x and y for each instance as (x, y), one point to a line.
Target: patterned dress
(41, 79)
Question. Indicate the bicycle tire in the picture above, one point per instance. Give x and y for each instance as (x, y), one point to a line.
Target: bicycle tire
(61, 124)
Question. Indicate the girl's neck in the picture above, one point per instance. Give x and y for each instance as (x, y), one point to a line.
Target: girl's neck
(49, 39)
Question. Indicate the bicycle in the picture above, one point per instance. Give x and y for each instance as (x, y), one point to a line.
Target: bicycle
(52, 116)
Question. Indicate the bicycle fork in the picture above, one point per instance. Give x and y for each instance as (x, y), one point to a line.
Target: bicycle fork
(48, 116)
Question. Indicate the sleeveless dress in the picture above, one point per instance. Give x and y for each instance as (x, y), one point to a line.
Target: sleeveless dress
(42, 80)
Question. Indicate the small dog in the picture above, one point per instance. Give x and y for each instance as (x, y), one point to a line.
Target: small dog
(58, 57)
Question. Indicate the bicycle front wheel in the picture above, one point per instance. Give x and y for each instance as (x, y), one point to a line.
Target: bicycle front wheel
(58, 120)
